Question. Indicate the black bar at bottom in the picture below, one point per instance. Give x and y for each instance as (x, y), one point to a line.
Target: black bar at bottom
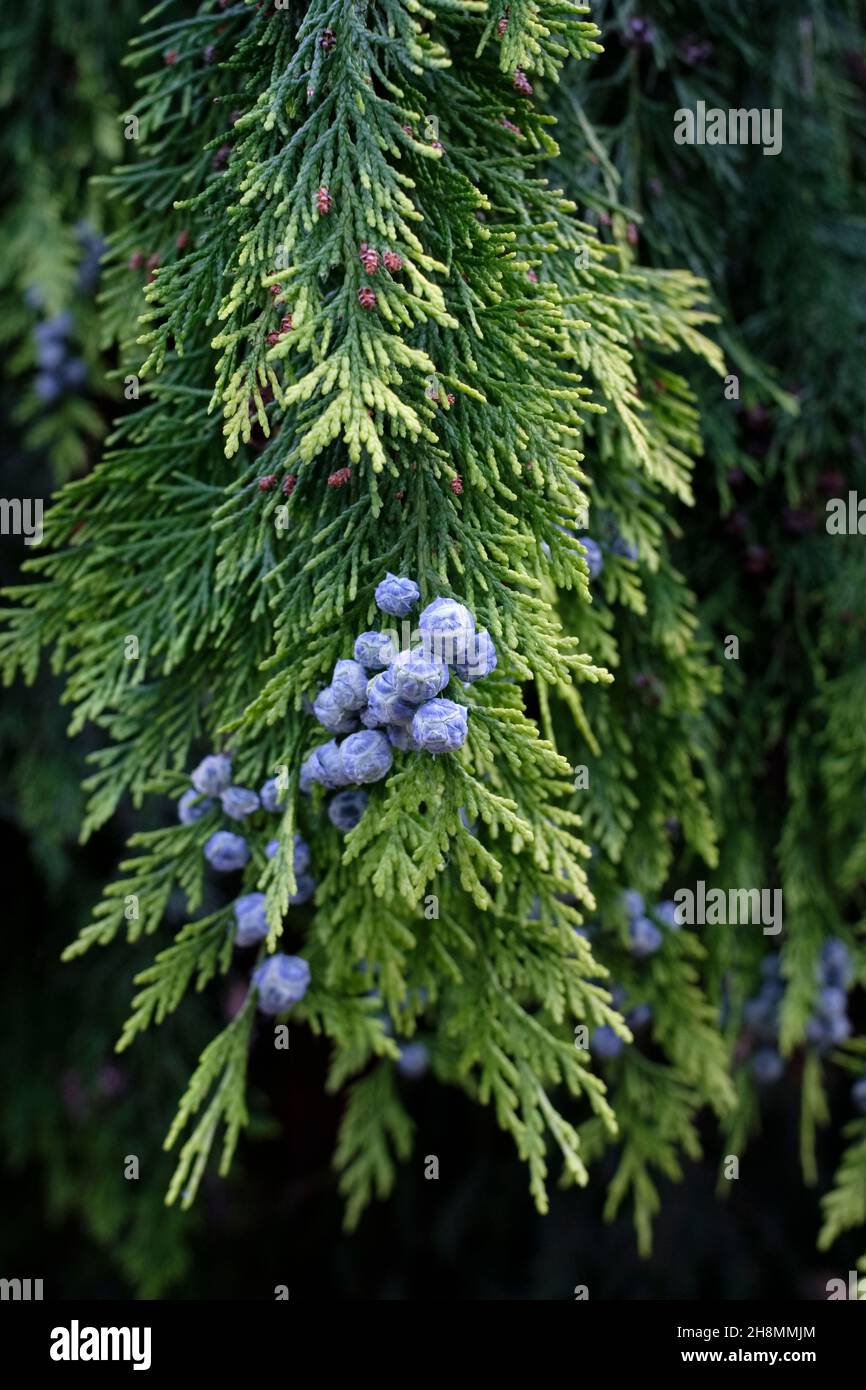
(69, 1339)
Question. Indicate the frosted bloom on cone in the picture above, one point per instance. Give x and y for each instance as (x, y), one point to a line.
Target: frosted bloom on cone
(270, 796)
(301, 857)
(375, 650)
(832, 1002)
(191, 807)
(606, 1043)
(346, 809)
(397, 596)
(447, 629)
(480, 659)
(645, 937)
(384, 704)
(836, 963)
(667, 913)
(633, 903)
(310, 772)
(365, 757)
(418, 677)
(239, 802)
(281, 981)
(330, 765)
(440, 726)
(305, 887)
(413, 1061)
(213, 774)
(639, 1016)
(252, 924)
(349, 685)
(323, 765)
(225, 851)
(331, 713)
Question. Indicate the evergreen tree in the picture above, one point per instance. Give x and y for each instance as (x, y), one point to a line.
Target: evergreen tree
(399, 305)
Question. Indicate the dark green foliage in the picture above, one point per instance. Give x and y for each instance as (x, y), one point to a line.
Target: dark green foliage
(782, 240)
